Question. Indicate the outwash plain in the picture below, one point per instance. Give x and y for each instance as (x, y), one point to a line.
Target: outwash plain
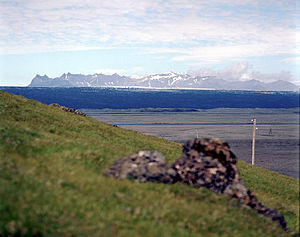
(277, 134)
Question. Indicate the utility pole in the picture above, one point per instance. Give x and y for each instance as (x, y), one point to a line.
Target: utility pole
(253, 141)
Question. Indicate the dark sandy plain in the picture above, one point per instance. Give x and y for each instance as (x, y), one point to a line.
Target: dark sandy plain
(277, 134)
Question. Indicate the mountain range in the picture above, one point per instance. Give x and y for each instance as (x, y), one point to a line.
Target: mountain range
(169, 80)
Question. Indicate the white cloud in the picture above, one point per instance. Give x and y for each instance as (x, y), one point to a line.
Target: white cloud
(242, 71)
(137, 70)
(233, 72)
(283, 75)
(212, 54)
(40, 25)
(292, 60)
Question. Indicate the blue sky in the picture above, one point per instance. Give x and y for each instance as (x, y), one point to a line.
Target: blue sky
(236, 40)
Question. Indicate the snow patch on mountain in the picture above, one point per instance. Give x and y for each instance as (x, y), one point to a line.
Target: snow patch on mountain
(170, 80)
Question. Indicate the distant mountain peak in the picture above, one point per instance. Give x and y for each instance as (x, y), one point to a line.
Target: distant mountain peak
(253, 80)
(166, 80)
(39, 76)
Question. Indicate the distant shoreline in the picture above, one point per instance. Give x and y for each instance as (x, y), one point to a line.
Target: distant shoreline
(157, 88)
(278, 152)
(112, 98)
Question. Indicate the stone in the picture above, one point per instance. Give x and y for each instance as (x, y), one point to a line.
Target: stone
(207, 163)
(204, 163)
(69, 110)
(211, 164)
(143, 166)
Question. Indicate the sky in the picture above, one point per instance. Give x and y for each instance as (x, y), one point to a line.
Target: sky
(235, 40)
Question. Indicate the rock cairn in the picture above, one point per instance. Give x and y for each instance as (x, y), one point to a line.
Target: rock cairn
(204, 163)
(143, 166)
(69, 110)
(210, 163)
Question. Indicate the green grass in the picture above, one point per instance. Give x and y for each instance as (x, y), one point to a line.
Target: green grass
(52, 183)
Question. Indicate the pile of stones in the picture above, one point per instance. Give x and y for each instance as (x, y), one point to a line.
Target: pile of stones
(204, 163)
(69, 110)
(143, 166)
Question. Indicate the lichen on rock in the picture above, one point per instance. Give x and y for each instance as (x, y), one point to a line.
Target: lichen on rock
(143, 166)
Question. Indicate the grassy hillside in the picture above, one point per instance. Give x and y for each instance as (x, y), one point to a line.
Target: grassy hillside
(52, 183)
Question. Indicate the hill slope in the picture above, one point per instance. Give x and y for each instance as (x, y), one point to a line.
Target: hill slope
(52, 183)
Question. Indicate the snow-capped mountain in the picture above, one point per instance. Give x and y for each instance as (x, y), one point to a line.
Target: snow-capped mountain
(79, 80)
(173, 80)
(169, 80)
